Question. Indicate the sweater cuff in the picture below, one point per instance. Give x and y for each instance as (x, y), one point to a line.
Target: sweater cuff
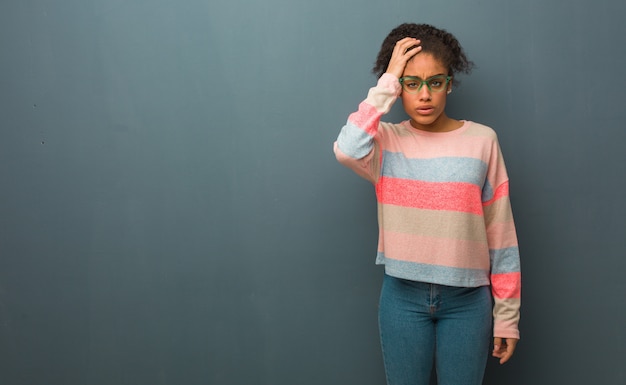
(390, 82)
(506, 334)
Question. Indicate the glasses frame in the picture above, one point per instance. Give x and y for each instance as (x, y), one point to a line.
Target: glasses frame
(422, 82)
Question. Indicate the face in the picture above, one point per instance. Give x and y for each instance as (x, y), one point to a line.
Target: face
(426, 108)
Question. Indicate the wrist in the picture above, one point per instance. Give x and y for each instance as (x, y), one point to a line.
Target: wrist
(390, 81)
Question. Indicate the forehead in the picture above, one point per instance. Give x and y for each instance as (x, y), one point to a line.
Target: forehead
(424, 65)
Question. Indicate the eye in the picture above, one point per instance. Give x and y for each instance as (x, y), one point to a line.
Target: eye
(411, 84)
(435, 83)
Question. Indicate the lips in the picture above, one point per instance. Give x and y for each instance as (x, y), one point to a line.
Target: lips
(425, 110)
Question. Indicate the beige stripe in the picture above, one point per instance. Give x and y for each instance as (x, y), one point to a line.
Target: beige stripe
(499, 211)
(506, 311)
(436, 251)
(439, 224)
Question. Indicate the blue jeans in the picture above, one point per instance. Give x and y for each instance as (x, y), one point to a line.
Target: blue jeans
(422, 324)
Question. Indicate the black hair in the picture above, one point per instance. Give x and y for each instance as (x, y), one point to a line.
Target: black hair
(435, 41)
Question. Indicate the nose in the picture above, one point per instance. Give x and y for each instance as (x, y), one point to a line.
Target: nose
(424, 93)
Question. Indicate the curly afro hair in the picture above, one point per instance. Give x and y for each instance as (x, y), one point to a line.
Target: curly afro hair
(437, 42)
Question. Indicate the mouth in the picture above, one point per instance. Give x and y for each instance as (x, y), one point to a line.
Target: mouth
(425, 110)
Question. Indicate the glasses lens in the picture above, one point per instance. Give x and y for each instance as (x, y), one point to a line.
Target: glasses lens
(411, 85)
(437, 83)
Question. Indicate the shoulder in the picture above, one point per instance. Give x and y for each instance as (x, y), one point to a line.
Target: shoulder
(481, 130)
(394, 129)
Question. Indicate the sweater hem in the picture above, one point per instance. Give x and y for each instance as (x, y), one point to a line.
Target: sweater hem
(439, 275)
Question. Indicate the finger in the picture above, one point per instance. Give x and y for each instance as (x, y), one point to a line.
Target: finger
(407, 39)
(507, 350)
(505, 358)
(412, 51)
(510, 346)
(407, 45)
(406, 50)
(497, 343)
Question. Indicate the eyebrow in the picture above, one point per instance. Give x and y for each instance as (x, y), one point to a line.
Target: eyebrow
(430, 77)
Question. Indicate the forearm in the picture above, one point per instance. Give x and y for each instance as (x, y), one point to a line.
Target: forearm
(505, 264)
(356, 141)
(506, 314)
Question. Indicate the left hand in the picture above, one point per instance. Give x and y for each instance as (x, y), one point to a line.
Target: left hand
(503, 348)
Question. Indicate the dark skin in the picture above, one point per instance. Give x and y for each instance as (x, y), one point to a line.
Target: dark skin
(404, 51)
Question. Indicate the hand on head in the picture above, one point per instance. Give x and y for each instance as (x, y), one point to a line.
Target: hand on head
(403, 51)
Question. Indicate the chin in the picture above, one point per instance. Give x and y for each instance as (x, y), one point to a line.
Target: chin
(424, 121)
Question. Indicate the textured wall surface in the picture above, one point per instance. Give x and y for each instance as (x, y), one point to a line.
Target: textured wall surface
(171, 211)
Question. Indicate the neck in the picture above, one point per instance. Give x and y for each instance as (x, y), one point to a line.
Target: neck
(442, 124)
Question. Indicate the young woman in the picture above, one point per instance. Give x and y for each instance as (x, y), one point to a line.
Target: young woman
(446, 232)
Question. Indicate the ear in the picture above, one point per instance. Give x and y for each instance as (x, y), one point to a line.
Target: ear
(449, 90)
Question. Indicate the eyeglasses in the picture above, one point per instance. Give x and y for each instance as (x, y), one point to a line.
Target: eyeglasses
(413, 84)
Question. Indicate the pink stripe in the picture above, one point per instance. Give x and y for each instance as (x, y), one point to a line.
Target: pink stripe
(462, 146)
(436, 251)
(506, 328)
(449, 196)
(501, 191)
(366, 118)
(507, 285)
(502, 235)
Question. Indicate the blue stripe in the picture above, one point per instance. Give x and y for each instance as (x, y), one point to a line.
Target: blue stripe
(504, 260)
(487, 192)
(445, 169)
(441, 275)
(354, 142)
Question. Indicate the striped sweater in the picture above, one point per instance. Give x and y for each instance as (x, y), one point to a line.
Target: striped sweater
(444, 214)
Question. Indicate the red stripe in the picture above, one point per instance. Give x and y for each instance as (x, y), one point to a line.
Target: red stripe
(366, 118)
(449, 196)
(501, 191)
(506, 285)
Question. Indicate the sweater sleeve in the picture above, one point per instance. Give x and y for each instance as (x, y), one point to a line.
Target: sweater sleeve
(355, 146)
(503, 249)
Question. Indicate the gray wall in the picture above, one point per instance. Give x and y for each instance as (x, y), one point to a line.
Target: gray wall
(171, 211)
